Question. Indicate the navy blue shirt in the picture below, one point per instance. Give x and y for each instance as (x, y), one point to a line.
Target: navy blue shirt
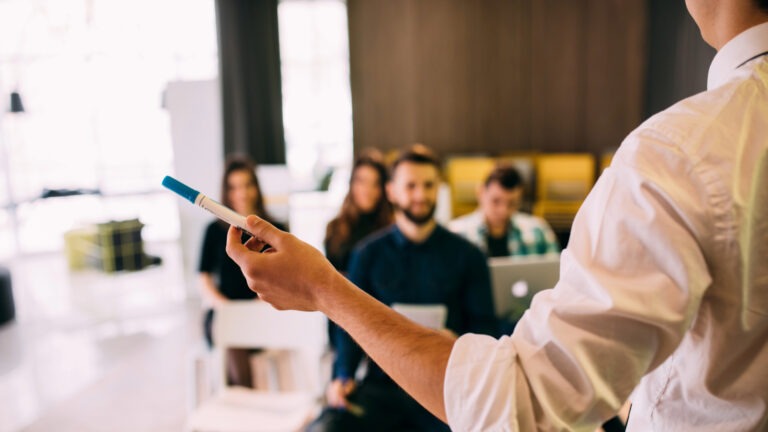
(445, 269)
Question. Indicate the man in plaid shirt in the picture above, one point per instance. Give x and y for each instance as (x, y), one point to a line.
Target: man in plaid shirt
(497, 227)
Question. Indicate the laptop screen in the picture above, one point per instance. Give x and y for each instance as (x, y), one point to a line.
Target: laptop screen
(515, 280)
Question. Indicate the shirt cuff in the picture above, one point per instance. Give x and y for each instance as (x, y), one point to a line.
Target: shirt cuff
(342, 377)
(480, 385)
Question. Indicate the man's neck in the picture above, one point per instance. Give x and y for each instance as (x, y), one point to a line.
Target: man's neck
(414, 232)
(497, 230)
(732, 23)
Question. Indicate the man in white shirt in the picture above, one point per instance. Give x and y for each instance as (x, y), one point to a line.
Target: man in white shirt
(663, 290)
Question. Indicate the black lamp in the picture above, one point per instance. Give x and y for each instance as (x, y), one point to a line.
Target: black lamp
(16, 105)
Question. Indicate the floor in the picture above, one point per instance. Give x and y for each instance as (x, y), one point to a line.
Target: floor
(92, 352)
(96, 352)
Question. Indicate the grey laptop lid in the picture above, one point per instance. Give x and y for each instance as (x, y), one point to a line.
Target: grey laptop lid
(515, 280)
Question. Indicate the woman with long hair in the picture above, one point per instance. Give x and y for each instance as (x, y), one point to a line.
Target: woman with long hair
(365, 209)
(221, 278)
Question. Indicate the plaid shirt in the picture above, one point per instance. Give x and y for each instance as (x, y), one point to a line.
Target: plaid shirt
(526, 234)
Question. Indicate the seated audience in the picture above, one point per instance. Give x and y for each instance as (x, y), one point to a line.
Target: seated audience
(365, 209)
(497, 227)
(415, 261)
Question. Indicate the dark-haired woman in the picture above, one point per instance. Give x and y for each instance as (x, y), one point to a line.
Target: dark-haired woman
(365, 209)
(221, 278)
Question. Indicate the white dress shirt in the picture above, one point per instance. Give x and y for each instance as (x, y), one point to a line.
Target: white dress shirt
(664, 285)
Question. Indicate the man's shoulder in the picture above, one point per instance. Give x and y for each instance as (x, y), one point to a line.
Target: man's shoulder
(375, 240)
(466, 222)
(529, 221)
(704, 117)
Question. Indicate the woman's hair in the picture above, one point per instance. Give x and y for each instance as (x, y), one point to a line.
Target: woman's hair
(243, 163)
(340, 228)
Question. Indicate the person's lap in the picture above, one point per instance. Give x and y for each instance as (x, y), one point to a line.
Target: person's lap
(384, 407)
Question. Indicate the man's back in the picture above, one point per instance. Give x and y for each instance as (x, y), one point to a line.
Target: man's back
(665, 278)
(718, 373)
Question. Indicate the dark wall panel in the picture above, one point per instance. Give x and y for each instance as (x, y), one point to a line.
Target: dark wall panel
(494, 76)
(615, 64)
(679, 58)
(382, 71)
(500, 65)
(557, 74)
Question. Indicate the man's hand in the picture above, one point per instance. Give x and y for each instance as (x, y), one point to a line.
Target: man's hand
(338, 391)
(293, 275)
(289, 275)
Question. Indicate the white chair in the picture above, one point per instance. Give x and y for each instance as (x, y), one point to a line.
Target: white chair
(255, 324)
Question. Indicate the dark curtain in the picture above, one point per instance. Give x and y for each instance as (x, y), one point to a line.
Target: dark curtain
(249, 58)
(678, 58)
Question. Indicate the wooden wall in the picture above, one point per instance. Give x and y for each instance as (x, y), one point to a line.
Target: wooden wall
(494, 76)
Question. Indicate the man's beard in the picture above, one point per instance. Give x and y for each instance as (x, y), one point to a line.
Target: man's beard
(418, 219)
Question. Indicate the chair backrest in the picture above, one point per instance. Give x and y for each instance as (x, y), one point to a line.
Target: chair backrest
(605, 160)
(256, 324)
(463, 175)
(564, 176)
(275, 182)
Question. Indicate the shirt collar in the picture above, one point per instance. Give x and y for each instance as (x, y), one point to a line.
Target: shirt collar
(736, 52)
(401, 240)
(483, 226)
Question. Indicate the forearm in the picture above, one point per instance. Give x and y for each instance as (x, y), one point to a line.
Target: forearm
(414, 356)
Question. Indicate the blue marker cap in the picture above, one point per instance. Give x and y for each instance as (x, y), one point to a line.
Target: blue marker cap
(180, 188)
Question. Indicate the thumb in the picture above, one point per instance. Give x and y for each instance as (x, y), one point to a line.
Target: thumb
(264, 231)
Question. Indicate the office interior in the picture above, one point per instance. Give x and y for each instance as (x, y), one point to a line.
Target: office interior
(102, 99)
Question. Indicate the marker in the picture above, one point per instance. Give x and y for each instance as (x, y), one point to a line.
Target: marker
(224, 213)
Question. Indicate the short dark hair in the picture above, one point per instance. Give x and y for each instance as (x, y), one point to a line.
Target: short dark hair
(762, 4)
(418, 154)
(506, 176)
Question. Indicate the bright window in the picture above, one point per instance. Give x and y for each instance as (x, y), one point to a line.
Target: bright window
(91, 74)
(317, 101)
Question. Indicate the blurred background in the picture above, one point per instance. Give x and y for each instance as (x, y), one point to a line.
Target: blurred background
(102, 98)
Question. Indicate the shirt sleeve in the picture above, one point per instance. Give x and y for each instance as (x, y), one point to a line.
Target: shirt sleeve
(631, 281)
(348, 352)
(208, 256)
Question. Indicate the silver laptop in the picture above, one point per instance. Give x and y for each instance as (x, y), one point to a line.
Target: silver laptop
(515, 280)
(429, 315)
